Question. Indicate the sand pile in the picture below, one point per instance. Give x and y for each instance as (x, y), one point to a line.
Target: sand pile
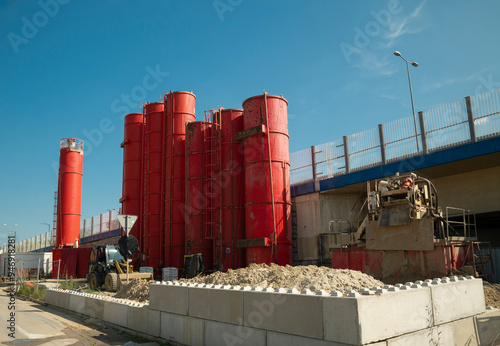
(137, 290)
(299, 277)
(492, 294)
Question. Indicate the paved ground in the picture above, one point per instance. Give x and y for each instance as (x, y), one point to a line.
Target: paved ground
(37, 325)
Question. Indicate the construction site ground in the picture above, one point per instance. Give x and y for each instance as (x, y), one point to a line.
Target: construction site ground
(39, 324)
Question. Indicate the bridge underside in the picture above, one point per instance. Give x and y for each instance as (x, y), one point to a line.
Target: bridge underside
(465, 177)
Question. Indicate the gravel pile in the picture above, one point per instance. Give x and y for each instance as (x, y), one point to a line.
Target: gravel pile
(299, 277)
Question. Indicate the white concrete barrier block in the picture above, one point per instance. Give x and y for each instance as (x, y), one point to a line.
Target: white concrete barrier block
(57, 298)
(439, 336)
(488, 326)
(216, 304)
(367, 319)
(218, 333)
(144, 320)
(115, 313)
(184, 330)
(280, 339)
(465, 333)
(322, 293)
(455, 300)
(169, 298)
(287, 313)
(77, 303)
(336, 294)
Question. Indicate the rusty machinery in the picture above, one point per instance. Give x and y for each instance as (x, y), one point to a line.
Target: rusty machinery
(402, 213)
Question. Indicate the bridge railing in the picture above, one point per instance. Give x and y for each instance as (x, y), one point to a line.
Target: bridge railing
(464, 121)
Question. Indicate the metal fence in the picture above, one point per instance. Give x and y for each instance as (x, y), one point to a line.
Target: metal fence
(104, 222)
(463, 121)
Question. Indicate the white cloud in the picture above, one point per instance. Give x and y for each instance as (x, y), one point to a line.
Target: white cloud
(375, 56)
(404, 25)
(375, 63)
(432, 86)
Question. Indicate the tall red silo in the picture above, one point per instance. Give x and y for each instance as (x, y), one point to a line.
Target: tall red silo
(153, 146)
(230, 175)
(199, 170)
(267, 181)
(133, 172)
(69, 200)
(179, 110)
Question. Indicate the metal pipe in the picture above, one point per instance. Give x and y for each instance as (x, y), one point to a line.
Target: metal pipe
(411, 94)
(413, 107)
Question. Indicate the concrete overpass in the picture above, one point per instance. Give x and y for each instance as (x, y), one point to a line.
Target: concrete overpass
(461, 156)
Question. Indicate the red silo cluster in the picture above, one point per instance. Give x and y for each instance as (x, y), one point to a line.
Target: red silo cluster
(218, 187)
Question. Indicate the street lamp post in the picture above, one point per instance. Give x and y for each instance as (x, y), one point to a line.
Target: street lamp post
(415, 64)
(45, 223)
(10, 227)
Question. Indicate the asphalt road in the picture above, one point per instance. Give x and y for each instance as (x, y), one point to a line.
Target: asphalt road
(36, 324)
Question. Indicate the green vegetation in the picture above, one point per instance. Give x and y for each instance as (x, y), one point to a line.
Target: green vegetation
(68, 284)
(32, 292)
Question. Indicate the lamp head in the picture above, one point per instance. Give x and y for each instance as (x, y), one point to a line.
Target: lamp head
(415, 64)
(396, 53)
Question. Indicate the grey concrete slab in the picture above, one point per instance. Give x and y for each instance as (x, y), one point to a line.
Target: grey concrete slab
(169, 298)
(488, 326)
(144, 320)
(221, 305)
(439, 336)
(465, 332)
(115, 313)
(366, 319)
(456, 300)
(280, 339)
(77, 303)
(288, 313)
(218, 333)
(94, 307)
(57, 298)
(184, 330)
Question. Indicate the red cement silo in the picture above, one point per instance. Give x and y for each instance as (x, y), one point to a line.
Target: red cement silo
(232, 188)
(153, 184)
(69, 200)
(179, 110)
(199, 143)
(132, 171)
(267, 181)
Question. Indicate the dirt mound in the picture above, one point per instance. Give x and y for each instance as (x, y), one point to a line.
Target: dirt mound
(137, 290)
(299, 277)
(492, 294)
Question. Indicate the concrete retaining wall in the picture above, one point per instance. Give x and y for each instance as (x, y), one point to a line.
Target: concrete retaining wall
(444, 311)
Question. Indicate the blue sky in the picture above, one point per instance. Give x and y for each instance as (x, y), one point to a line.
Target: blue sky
(74, 68)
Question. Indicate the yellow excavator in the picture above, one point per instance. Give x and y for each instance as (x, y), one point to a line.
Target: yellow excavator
(108, 267)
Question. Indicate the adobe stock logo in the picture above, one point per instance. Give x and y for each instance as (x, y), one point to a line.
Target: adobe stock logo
(363, 38)
(222, 6)
(40, 19)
